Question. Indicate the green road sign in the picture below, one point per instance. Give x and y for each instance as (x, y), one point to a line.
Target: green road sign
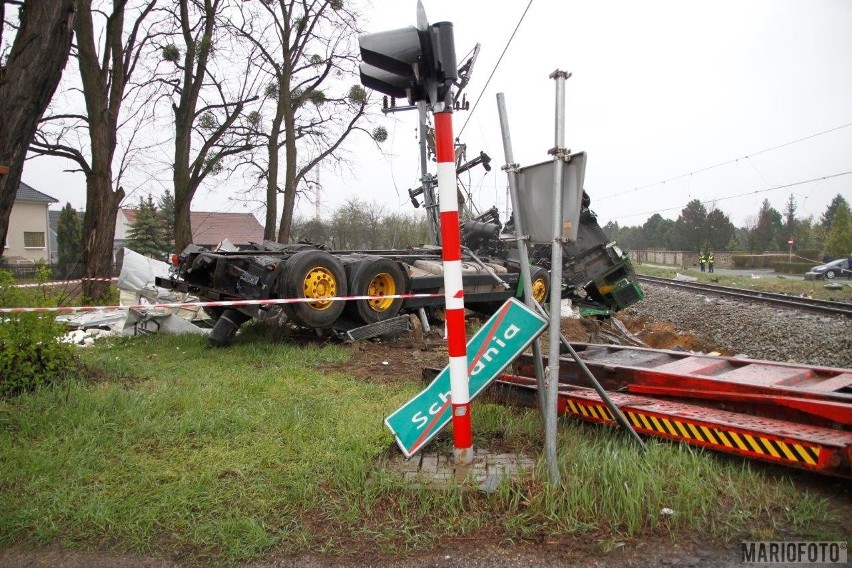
(506, 333)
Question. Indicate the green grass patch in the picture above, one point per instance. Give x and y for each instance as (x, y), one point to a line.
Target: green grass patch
(767, 282)
(219, 456)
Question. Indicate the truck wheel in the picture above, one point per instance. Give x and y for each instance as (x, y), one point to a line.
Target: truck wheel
(313, 274)
(376, 277)
(540, 283)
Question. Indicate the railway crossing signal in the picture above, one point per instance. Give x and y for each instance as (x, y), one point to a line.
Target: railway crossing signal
(419, 64)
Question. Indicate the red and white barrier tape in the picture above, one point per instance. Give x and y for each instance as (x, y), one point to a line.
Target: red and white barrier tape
(221, 303)
(64, 282)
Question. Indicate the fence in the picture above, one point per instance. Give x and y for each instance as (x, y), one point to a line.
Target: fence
(740, 260)
(679, 258)
(57, 271)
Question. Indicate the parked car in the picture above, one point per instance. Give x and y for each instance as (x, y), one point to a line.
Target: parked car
(830, 270)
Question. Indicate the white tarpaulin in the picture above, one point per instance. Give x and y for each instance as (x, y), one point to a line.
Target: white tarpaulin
(138, 273)
(137, 284)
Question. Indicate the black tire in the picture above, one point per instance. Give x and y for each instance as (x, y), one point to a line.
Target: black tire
(227, 324)
(313, 274)
(376, 277)
(830, 274)
(540, 278)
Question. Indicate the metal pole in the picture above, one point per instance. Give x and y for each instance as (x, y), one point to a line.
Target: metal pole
(551, 378)
(425, 178)
(453, 286)
(512, 172)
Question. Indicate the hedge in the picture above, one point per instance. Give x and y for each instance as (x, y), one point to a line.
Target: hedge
(792, 267)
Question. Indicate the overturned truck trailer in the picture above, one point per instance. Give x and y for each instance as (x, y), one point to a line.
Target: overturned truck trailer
(596, 273)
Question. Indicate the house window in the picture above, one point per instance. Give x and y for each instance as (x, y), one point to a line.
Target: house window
(33, 240)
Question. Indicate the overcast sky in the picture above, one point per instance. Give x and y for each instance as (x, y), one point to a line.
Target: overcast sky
(659, 89)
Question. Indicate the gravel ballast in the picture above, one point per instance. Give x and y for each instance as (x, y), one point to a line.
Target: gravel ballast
(752, 329)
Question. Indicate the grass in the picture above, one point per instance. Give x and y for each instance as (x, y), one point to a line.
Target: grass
(221, 456)
(770, 282)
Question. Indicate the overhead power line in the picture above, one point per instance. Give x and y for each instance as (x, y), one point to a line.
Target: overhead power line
(724, 163)
(716, 199)
(470, 114)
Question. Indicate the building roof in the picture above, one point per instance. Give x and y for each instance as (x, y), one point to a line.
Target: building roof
(27, 193)
(211, 227)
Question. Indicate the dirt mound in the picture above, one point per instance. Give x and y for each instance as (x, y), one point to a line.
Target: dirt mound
(664, 335)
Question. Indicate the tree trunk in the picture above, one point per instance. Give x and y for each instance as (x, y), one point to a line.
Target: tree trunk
(272, 179)
(289, 168)
(103, 104)
(183, 192)
(99, 233)
(27, 84)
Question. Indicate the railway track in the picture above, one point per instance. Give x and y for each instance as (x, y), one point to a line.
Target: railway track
(782, 300)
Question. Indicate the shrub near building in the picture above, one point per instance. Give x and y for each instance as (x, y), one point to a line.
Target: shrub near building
(31, 354)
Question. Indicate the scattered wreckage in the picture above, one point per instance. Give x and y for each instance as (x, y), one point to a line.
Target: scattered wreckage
(364, 293)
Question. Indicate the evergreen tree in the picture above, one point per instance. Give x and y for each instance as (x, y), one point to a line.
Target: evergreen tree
(656, 232)
(827, 219)
(767, 232)
(167, 217)
(790, 216)
(839, 240)
(146, 232)
(69, 238)
(690, 228)
(719, 230)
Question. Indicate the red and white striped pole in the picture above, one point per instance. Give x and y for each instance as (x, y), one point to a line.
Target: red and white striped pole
(453, 286)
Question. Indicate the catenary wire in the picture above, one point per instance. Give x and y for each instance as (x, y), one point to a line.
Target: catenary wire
(495, 68)
(817, 179)
(720, 164)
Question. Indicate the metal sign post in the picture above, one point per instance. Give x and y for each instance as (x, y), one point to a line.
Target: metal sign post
(512, 172)
(425, 179)
(560, 153)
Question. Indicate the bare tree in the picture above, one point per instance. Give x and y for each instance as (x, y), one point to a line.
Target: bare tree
(106, 70)
(307, 51)
(204, 110)
(28, 80)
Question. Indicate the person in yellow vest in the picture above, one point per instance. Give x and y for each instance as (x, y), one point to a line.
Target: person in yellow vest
(710, 261)
(702, 260)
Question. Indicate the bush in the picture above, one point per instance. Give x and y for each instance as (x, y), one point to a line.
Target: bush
(812, 255)
(30, 353)
(791, 267)
(757, 260)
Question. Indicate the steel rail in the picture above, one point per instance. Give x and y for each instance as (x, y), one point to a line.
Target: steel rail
(805, 304)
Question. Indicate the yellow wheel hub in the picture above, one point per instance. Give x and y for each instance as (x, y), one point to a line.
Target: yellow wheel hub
(320, 283)
(381, 285)
(539, 289)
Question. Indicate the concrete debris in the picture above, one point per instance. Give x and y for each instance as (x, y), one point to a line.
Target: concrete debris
(567, 309)
(86, 338)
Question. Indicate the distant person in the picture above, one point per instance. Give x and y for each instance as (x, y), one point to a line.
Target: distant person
(701, 261)
(826, 258)
(710, 261)
(849, 266)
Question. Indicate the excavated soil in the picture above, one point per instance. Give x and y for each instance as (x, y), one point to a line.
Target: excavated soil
(402, 358)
